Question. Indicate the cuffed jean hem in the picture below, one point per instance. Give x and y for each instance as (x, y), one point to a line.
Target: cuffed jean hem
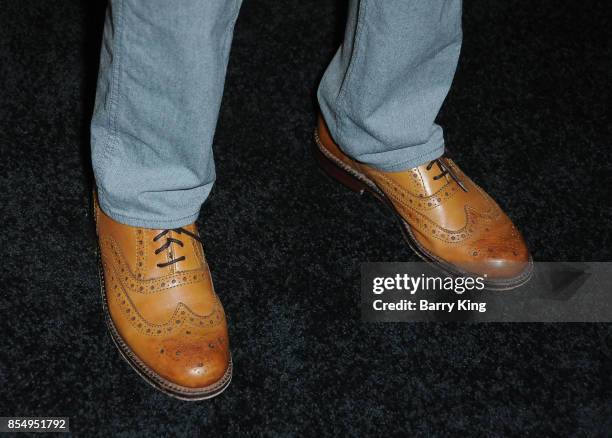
(144, 223)
(392, 160)
(406, 164)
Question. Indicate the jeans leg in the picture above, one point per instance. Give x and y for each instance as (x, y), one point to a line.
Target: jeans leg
(162, 70)
(384, 87)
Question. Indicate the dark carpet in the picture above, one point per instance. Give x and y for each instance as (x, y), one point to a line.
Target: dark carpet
(528, 118)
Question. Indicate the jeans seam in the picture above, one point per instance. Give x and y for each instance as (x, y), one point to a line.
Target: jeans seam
(228, 36)
(355, 57)
(112, 141)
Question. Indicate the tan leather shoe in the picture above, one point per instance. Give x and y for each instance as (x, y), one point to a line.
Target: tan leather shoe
(446, 218)
(161, 307)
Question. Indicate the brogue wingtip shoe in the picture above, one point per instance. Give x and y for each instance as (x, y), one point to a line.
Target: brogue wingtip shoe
(447, 219)
(161, 308)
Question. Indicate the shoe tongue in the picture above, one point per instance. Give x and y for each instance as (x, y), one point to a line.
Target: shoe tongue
(428, 183)
(191, 250)
(419, 180)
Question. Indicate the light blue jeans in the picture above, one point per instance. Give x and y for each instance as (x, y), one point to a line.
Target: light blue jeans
(162, 69)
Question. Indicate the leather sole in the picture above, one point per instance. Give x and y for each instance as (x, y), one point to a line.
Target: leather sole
(360, 183)
(150, 376)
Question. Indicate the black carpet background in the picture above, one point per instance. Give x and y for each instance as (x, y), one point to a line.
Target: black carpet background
(527, 118)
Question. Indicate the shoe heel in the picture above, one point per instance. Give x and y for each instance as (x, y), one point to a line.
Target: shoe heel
(338, 174)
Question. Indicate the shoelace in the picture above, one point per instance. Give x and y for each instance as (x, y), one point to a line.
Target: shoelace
(445, 170)
(170, 241)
